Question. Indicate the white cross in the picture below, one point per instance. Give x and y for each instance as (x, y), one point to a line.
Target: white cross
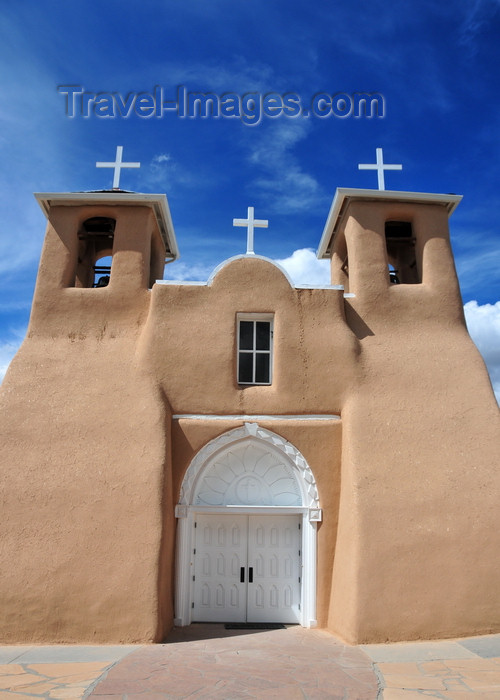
(250, 223)
(379, 166)
(117, 165)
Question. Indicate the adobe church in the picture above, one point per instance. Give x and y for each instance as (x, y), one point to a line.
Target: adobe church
(248, 450)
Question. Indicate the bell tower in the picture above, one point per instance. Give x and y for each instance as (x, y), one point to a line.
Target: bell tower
(82, 411)
(418, 494)
(103, 251)
(379, 238)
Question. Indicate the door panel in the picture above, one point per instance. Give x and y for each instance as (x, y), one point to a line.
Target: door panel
(247, 568)
(221, 552)
(274, 543)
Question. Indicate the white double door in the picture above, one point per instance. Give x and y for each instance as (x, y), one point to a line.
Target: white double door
(247, 568)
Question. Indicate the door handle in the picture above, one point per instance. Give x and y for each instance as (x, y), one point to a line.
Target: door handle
(250, 574)
(242, 574)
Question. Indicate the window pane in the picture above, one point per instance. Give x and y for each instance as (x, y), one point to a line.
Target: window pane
(263, 335)
(262, 368)
(245, 367)
(246, 335)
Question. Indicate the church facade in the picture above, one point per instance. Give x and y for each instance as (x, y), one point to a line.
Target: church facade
(248, 450)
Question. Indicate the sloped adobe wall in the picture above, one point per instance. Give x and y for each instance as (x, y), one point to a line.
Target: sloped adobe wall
(85, 466)
(419, 535)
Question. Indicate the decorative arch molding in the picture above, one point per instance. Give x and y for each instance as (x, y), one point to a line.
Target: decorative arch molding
(273, 470)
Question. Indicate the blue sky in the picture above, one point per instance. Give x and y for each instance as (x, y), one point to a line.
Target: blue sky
(435, 64)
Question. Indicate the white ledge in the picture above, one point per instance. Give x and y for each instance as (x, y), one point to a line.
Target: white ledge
(186, 283)
(344, 195)
(320, 286)
(157, 202)
(189, 283)
(211, 416)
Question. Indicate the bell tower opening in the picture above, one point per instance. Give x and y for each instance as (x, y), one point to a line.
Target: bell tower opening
(95, 252)
(102, 271)
(401, 253)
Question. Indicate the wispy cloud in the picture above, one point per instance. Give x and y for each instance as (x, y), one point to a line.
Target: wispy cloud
(165, 173)
(13, 304)
(35, 156)
(238, 76)
(478, 266)
(477, 15)
(284, 185)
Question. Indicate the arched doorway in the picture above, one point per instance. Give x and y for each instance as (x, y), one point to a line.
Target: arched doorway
(246, 536)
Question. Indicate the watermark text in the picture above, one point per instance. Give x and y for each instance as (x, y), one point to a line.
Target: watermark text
(250, 107)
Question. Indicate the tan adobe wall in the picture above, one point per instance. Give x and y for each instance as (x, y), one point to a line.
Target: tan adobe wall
(197, 326)
(93, 457)
(83, 526)
(416, 554)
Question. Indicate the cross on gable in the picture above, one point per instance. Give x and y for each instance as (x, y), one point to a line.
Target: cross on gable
(117, 165)
(379, 166)
(250, 223)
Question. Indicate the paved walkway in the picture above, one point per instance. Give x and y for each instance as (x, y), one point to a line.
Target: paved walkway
(59, 672)
(462, 669)
(207, 661)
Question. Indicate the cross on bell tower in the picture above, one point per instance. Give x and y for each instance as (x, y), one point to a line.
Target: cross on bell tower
(379, 166)
(250, 223)
(117, 165)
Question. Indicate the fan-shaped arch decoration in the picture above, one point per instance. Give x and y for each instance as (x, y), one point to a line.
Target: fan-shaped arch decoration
(249, 466)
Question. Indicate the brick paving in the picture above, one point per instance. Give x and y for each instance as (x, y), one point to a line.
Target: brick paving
(206, 661)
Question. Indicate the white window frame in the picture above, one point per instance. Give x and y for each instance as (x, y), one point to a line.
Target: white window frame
(267, 318)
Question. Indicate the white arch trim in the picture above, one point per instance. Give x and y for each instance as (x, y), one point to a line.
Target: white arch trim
(307, 506)
(246, 433)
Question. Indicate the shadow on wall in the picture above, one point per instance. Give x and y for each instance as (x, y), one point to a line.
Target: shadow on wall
(356, 323)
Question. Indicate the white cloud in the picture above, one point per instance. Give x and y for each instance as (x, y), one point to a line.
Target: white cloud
(483, 322)
(184, 272)
(8, 348)
(304, 267)
(162, 158)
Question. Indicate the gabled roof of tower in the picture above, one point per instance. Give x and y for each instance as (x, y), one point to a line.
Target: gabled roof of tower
(157, 202)
(344, 195)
